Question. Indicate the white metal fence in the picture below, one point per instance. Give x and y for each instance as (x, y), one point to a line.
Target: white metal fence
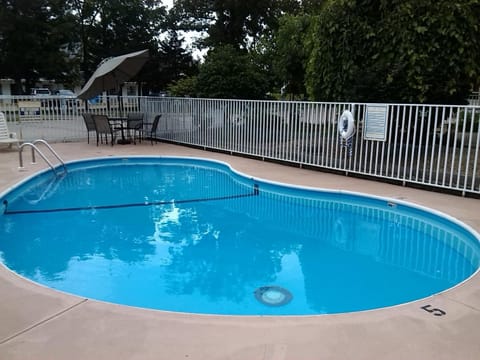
(57, 119)
(432, 145)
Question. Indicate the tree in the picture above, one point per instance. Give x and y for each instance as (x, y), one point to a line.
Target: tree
(290, 55)
(229, 72)
(394, 51)
(110, 28)
(35, 42)
(174, 61)
(85, 13)
(312, 7)
(234, 22)
(437, 55)
(339, 44)
(66, 40)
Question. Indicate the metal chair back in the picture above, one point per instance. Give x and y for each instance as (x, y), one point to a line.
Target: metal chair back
(103, 127)
(89, 124)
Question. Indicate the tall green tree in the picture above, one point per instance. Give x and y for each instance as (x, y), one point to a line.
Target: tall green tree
(35, 42)
(85, 13)
(173, 61)
(340, 39)
(115, 27)
(437, 56)
(235, 22)
(395, 51)
(290, 53)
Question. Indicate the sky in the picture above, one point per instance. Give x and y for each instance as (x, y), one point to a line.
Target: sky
(168, 3)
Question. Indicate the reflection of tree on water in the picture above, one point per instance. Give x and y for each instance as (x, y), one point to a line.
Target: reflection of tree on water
(48, 241)
(211, 254)
(45, 243)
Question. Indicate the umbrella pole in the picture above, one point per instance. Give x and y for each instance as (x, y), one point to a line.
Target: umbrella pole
(120, 102)
(108, 104)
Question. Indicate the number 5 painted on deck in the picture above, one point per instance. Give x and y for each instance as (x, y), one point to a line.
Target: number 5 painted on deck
(433, 311)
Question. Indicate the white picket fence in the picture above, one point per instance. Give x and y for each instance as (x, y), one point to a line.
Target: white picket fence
(429, 145)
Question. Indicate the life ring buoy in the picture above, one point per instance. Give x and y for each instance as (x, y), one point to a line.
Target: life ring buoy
(346, 125)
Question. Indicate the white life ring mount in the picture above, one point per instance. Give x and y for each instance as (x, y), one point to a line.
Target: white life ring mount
(346, 125)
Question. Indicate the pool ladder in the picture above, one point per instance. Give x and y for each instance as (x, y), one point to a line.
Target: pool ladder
(42, 155)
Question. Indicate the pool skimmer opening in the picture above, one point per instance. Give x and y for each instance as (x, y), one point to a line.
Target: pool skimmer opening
(273, 295)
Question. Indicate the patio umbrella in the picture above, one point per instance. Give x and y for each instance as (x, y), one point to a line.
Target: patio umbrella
(113, 72)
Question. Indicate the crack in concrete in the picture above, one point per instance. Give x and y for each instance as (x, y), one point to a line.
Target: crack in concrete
(42, 322)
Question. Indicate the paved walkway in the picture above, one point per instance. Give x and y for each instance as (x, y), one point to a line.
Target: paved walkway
(39, 323)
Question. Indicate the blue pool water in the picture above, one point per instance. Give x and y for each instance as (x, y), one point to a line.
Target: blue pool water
(192, 235)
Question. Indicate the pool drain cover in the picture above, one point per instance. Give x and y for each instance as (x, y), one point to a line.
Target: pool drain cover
(273, 295)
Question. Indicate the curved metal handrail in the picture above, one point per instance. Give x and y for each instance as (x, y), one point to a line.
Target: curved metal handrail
(52, 151)
(42, 155)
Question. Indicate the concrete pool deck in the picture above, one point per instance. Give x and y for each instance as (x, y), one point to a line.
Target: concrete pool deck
(40, 323)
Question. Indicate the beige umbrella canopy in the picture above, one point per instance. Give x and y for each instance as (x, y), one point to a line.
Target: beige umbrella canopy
(113, 72)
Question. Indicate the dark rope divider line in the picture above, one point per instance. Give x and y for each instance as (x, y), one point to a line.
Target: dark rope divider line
(103, 207)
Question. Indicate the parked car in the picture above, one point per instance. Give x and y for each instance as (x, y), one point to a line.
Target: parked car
(65, 93)
(67, 98)
(40, 92)
(43, 94)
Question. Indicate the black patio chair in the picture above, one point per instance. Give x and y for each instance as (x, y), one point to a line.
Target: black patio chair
(89, 124)
(135, 125)
(103, 127)
(152, 131)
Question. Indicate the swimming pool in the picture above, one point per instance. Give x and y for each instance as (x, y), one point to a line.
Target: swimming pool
(191, 235)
